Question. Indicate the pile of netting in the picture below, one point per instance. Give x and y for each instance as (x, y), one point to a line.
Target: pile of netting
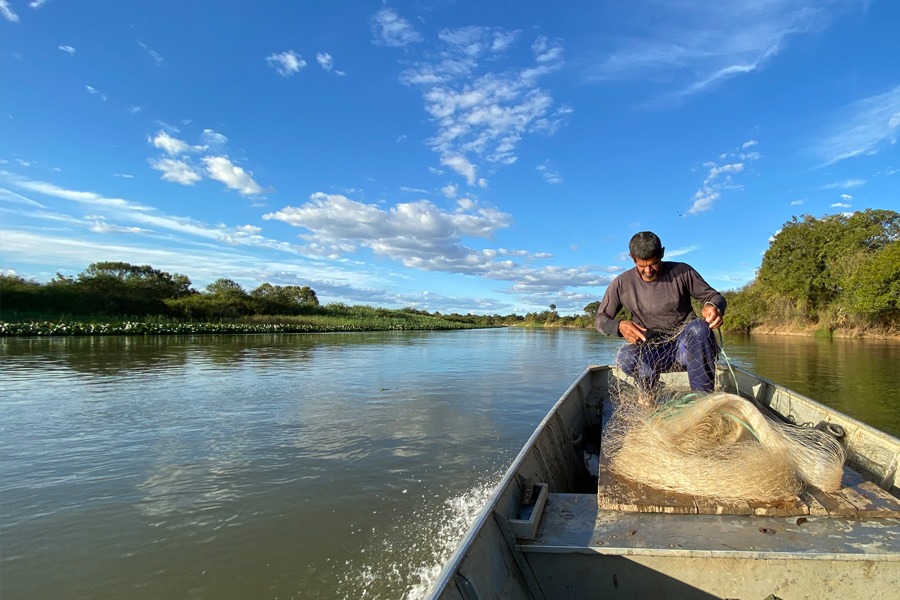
(716, 445)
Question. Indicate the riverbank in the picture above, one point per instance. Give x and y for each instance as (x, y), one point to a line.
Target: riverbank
(872, 333)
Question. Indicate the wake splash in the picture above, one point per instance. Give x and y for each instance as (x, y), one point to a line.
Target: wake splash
(409, 559)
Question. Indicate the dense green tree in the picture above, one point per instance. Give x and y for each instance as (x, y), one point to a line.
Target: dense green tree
(225, 287)
(812, 263)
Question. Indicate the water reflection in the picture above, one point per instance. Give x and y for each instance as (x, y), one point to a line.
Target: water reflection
(856, 377)
(314, 466)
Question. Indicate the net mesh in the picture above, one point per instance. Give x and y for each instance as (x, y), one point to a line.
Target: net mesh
(705, 441)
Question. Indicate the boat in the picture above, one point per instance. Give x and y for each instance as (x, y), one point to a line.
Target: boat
(551, 529)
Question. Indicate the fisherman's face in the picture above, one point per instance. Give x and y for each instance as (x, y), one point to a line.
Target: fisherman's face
(648, 269)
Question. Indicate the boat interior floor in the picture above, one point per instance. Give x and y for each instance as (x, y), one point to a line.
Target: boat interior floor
(573, 523)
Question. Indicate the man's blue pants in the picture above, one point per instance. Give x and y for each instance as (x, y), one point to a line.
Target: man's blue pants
(694, 349)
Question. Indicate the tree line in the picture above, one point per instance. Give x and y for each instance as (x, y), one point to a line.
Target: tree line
(116, 289)
(838, 271)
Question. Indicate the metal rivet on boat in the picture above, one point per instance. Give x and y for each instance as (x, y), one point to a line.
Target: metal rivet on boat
(835, 430)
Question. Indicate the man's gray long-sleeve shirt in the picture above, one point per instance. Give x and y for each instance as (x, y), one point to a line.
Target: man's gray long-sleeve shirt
(661, 305)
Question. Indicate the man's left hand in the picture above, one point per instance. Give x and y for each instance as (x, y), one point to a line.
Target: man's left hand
(712, 315)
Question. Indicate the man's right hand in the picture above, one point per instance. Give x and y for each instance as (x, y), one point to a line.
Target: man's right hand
(632, 332)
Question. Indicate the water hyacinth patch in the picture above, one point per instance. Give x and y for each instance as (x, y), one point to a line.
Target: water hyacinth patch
(321, 325)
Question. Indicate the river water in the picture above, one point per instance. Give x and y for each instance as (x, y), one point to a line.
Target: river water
(301, 466)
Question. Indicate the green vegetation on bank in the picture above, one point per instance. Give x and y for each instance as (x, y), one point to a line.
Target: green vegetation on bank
(839, 272)
(110, 298)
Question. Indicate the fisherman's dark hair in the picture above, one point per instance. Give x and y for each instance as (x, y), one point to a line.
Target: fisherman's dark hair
(645, 245)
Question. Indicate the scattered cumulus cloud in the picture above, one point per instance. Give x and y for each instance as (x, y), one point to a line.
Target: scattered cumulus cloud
(8, 13)
(549, 174)
(222, 169)
(67, 49)
(846, 197)
(287, 63)
(35, 4)
(213, 139)
(481, 109)
(173, 146)
(95, 92)
(176, 171)
(720, 177)
(178, 167)
(797, 202)
(325, 61)
(840, 205)
(390, 29)
(424, 237)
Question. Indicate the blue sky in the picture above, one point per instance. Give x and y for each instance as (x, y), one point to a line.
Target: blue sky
(453, 156)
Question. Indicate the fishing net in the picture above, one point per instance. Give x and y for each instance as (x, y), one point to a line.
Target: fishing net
(708, 442)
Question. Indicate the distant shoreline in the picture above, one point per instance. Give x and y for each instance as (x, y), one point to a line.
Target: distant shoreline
(814, 331)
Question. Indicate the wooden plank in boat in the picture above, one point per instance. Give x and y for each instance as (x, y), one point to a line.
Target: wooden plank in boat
(620, 493)
(871, 500)
(722, 506)
(834, 503)
(815, 507)
(786, 507)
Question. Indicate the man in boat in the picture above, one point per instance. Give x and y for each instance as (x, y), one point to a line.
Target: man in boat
(663, 333)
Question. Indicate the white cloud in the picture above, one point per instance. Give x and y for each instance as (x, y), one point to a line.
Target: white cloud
(10, 196)
(213, 139)
(450, 190)
(418, 234)
(549, 174)
(95, 92)
(173, 146)
(222, 169)
(797, 202)
(481, 109)
(157, 58)
(7, 13)
(325, 61)
(286, 63)
(461, 165)
(37, 3)
(846, 197)
(861, 128)
(844, 185)
(177, 171)
(390, 29)
(422, 236)
(688, 47)
(100, 225)
(67, 49)
(720, 177)
(840, 205)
